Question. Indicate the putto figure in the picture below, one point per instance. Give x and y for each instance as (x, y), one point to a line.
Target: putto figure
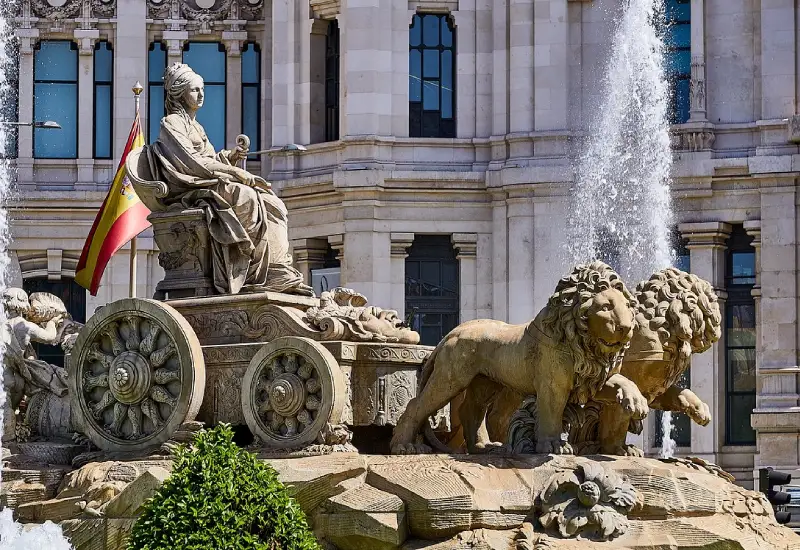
(247, 222)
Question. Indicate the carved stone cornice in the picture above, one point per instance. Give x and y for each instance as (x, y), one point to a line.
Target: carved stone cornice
(693, 137)
(400, 242)
(326, 9)
(705, 234)
(104, 8)
(466, 245)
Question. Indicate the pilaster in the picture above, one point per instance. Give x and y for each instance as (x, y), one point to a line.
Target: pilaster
(233, 85)
(86, 40)
(309, 254)
(707, 245)
(27, 40)
(400, 242)
(466, 245)
(131, 38)
(336, 242)
(551, 66)
(522, 58)
(520, 263)
(697, 111)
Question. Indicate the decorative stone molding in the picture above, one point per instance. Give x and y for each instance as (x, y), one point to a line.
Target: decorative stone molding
(697, 88)
(694, 139)
(466, 245)
(705, 234)
(400, 242)
(433, 6)
(326, 9)
(793, 127)
(337, 243)
(104, 8)
(53, 9)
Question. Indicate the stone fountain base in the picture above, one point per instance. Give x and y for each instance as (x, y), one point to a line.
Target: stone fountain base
(361, 502)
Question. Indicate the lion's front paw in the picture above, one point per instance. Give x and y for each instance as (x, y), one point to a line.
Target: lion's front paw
(623, 450)
(492, 447)
(700, 413)
(633, 402)
(411, 449)
(554, 446)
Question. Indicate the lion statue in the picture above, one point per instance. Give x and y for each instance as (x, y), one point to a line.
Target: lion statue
(570, 353)
(677, 315)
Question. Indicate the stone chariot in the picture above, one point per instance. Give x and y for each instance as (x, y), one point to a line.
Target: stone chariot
(296, 370)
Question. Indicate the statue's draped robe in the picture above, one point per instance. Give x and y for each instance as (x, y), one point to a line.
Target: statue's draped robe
(248, 228)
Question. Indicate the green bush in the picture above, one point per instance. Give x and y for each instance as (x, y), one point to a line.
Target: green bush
(221, 497)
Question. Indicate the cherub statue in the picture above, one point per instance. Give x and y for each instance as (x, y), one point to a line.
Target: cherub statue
(42, 318)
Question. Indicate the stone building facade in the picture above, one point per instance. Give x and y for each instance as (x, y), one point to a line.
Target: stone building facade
(435, 162)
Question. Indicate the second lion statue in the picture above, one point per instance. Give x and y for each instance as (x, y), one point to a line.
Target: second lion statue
(570, 353)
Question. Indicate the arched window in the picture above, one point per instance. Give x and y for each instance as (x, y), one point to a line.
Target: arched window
(740, 339)
(55, 97)
(208, 59)
(103, 103)
(251, 95)
(678, 57)
(432, 76)
(74, 298)
(156, 65)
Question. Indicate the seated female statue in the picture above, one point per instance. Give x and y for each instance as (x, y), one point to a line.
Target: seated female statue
(247, 221)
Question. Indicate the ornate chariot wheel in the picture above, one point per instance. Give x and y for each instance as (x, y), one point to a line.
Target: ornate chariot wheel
(136, 374)
(292, 388)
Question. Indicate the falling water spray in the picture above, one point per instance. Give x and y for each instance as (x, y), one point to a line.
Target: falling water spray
(621, 210)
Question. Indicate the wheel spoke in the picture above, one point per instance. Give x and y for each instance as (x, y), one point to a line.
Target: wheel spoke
(120, 411)
(150, 410)
(160, 356)
(112, 333)
(96, 354)
(165, 376)
(161, 395)
(92, 382)
(105, 402)
(135, 416)
(134, 339)
(149, 342)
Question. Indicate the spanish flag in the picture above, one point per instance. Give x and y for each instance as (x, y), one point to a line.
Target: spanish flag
(121, 218)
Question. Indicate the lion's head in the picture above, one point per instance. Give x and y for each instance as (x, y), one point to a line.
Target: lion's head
(593, 314)
(683, 310)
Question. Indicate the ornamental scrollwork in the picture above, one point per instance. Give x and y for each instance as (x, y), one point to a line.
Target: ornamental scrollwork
(104, 8)
(48, 10)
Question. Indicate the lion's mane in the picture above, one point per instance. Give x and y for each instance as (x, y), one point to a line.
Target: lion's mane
(567, 321)
(683, 310)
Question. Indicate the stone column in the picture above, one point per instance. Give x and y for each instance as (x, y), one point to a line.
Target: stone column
(776, 418)
(86, 39)
(521, 64)
(129, 67)
(284, 71)
(336, 242)
(367, 265)
(707, 245)
(551, 67)
(520, 259)
(400, 242)
(499, 72)
(309, 254)
(778, 51)
(466, 245)
(233, 41)
(367, 41)
(500, 280)
(466, 110)
(698, 80)
(27, 40)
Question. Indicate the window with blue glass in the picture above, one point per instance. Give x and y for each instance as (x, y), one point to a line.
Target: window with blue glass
(55, 97)
(208, 59)
(103, 105)
(678, 57)
(332, 81)
(251, 95)
(156, 65)
(432, 76)
(740, 339)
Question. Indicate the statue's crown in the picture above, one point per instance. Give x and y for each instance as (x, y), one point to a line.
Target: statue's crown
(175, 73)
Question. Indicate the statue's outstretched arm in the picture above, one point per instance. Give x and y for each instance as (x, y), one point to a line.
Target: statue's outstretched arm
(45, 335)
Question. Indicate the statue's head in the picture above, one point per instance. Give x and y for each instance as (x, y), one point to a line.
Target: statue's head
(183, 89)
(15, 301)
(592, 313)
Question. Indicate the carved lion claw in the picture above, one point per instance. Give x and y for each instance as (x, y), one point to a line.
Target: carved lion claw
(411, 449)
(633, 401)
(696, 409)
(624, 450)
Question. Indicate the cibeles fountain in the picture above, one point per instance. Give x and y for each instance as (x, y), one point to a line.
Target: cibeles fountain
(504, 436)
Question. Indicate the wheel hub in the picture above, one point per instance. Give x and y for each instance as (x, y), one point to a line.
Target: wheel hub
(131, 378)
(287, 394)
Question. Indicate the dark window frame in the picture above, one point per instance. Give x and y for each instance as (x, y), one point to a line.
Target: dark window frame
(416, 108)
(254, 143)
(73, 47)
(332, 82)
(155, 84)
(110, 85)
(676, 77)
(738, 294)
(223, 84)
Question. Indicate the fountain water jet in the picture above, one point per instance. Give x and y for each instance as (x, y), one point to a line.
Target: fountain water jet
(621, 209)
(12, 534)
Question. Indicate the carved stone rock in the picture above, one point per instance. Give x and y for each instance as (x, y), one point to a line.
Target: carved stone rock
(459, 503)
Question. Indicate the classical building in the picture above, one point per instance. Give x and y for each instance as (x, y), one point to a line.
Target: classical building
(434, 167)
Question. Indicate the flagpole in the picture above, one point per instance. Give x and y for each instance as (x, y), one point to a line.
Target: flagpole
(137, 90)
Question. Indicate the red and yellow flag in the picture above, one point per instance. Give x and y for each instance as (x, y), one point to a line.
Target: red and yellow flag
(121, 218)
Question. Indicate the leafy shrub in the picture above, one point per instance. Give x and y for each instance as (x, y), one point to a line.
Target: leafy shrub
(221, 497)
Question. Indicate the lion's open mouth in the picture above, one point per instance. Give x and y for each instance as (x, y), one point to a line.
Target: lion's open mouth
(608, 344)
